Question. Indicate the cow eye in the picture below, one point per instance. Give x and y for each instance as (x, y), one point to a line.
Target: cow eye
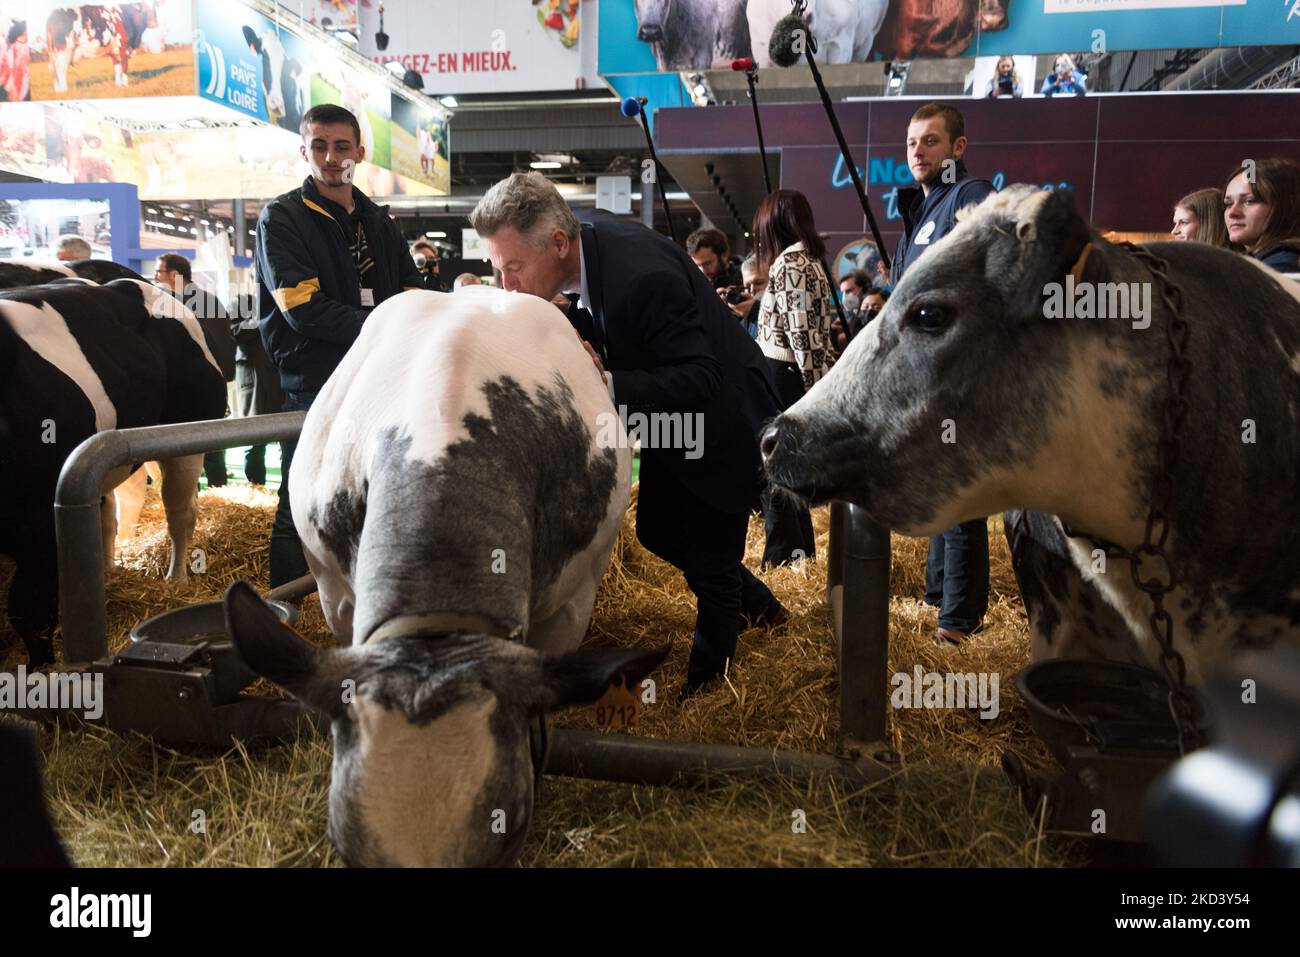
(929, 318)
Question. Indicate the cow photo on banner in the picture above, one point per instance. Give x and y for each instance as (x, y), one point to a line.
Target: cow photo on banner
(111, 50)
(640, 36)
(15, 52)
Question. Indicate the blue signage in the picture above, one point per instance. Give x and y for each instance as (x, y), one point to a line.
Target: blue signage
(230, 68)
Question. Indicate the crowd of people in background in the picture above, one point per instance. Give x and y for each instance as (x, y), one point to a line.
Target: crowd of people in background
(328, 276)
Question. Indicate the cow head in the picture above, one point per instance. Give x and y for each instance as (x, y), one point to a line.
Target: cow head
(432, 760)
(965, 396)
(651, 19)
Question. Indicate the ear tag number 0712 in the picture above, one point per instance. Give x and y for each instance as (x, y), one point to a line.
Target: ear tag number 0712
(618, 706)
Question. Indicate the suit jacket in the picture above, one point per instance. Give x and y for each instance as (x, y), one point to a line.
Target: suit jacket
(674, 346)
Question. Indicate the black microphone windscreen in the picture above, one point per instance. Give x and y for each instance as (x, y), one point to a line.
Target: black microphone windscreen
(782, 45)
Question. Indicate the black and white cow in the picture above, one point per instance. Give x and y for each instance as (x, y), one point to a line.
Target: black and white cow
(15, 274)
(77, 358)
(963, 399)
(285, 85)
(694, 34)
(458, 486)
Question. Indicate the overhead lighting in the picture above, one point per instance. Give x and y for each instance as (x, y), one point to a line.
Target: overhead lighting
(151, 211)
(204, 222)
(435, 234)
(450, 102)
(546, 164)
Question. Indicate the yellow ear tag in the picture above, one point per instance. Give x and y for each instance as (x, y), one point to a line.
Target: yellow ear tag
(618, 706)
(1077, 269)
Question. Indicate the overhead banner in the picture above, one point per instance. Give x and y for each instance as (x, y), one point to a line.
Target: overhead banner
(252, 65)
(485, 46)
(97, 50)
(642, 36)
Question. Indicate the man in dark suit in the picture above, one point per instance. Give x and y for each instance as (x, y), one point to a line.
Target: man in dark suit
(664, 343)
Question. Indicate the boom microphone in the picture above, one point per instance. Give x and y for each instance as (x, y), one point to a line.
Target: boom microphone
(785, 36)
(635, 106)
(743, 64)
(782, 45)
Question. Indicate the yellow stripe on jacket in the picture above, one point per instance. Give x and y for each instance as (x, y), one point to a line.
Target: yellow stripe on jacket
(294, 296)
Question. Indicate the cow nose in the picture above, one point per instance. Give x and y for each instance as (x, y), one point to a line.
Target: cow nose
(650, 33)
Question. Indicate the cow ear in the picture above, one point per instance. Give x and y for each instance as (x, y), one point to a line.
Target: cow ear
(278, 653)
(579, 677)
(1051, 241)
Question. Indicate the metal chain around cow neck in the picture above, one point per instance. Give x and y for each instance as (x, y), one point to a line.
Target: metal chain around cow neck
(1178, 372)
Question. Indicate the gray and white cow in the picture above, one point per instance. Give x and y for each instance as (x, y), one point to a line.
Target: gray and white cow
(1062, 416)
(457, 487)
(77, 358)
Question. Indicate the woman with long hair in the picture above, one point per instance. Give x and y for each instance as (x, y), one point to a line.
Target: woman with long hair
(794, 321)
(794, 333)
(1005, 80)
(1261, 210)
(1198, 218)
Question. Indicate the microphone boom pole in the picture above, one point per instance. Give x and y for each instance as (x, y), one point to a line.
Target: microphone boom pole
(638, 104)
(810, 47)
(751, 78)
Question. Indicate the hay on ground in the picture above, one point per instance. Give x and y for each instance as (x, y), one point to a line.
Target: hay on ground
(126, 801)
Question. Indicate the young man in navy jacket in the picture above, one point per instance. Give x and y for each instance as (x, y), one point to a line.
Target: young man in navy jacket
(957, 568)
(326, 255)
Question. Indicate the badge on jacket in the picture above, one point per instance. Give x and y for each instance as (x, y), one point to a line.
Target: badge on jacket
(368, 296)
(923, 237)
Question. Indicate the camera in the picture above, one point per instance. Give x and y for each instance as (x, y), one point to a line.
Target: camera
(735, 295)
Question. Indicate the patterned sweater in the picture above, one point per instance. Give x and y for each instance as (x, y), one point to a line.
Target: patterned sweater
(794, 320)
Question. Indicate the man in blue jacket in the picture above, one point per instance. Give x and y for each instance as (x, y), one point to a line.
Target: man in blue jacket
(665, 342)
(326, 256)
(957, 568)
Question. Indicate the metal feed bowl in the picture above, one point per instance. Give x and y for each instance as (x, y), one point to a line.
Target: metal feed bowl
(204, 626)
(1105, 704)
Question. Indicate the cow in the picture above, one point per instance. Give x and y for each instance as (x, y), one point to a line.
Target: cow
(845, 29)
(458, 487)
(77, 358)
(938, 28)
(285, 85)
(75, 33)
(965, 398)
(693, 34)
(18, 273)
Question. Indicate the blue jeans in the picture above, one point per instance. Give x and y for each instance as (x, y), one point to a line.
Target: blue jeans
(957, 575)
(287, 559)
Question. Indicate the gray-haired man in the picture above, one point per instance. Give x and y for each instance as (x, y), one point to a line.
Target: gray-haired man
(668, 344)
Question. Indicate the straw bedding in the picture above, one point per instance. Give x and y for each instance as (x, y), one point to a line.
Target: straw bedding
(127, 802)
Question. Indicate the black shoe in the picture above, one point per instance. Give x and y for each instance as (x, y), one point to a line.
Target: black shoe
(773, 617)
(696, 686)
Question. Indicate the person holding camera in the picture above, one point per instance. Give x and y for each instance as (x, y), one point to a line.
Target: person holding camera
(1005, 80)
(1064, 80)
(428, 262)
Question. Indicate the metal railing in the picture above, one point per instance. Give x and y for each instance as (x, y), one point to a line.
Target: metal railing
(857, 590)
